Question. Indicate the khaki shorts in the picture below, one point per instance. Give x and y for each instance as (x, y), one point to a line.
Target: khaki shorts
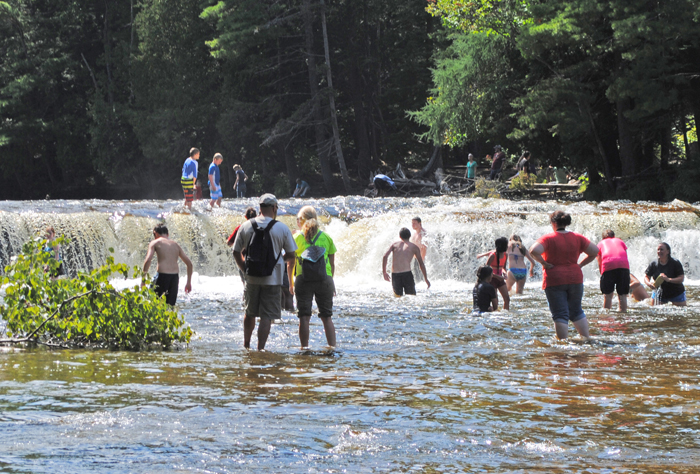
(263, 301)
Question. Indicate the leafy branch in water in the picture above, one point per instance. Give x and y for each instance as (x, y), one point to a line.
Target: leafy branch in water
(86, 311)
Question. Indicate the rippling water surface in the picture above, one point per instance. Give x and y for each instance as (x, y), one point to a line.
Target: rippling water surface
(417, 384)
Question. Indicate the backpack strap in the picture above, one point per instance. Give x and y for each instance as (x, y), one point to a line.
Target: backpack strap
(267, 230)
(313, 242)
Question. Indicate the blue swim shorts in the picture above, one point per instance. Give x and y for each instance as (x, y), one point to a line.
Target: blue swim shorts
(676, 299)
(519, 273)
(216, 194)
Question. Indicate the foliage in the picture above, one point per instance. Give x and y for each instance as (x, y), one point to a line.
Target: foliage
(485, 188)
(85, 311)
(523, 181)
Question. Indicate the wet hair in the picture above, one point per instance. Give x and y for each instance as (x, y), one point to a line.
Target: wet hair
(218, 156)
(309, 222)
(516, 238)
(560, 218)
(193, 151)
(483, 272)
(501, 244)
(416, 219)
(160, 229)
(250, 213)
(501, 248)
(668, 247)
(49, 230)
(608, 234)
(404, 233)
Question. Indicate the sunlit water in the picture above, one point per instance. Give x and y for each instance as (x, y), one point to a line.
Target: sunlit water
(417, 383)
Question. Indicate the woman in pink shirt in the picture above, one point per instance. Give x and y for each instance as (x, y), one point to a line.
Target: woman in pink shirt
(558, 253)
(614, 270)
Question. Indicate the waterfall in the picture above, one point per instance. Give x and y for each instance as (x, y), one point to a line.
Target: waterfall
(458, 229)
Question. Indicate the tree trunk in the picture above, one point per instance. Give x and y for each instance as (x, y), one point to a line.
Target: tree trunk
(289, 161)
(321, 148)
(626, 139)
(108, 58)
(331, 102)
(666, 137)
(364, 155)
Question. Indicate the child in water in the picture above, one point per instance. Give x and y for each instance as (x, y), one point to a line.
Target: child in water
(484, 294)
(517, 270)
(498, 261)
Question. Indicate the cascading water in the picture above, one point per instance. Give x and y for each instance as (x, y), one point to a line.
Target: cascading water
(458, 230)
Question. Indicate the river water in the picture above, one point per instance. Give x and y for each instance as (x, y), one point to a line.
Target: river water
(416, 384)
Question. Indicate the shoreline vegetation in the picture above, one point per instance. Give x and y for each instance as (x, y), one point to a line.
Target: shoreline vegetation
(104, 100)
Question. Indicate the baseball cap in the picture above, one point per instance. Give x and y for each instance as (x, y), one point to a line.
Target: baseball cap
(268, 200)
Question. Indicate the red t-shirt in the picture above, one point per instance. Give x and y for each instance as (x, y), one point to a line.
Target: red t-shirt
(563, 249)
(232, 237)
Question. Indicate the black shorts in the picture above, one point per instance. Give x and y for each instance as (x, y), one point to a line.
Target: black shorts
(167, 284)
(615, 279)
(403, 282)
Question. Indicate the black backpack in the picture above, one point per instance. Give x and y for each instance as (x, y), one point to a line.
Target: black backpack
(260, 260)
(313, 261)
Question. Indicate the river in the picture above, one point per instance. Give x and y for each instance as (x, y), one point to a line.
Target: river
(417, 384)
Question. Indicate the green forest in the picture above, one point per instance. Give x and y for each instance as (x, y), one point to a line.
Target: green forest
(104, 99)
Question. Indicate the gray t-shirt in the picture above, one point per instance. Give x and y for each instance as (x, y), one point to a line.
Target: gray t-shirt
(281, 239)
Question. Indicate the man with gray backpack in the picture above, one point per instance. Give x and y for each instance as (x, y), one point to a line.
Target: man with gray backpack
(314, 269)
(264, 240)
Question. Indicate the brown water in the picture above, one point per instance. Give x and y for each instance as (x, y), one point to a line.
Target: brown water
(417, 384)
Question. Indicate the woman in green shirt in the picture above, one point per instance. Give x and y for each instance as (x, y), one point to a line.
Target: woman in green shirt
(316, 283)
(471, 168)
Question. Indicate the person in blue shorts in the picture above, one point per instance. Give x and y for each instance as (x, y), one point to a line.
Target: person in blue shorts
(670, 288)
(215, 180)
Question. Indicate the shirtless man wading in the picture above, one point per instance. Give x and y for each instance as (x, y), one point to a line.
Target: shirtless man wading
(168, 276)
(402, 253)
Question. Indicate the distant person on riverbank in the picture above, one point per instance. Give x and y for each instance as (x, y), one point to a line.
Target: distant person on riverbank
(666, 276)
(168, 272)
(383, 183)
(558, 253)
(560, 175)
(614, 269)
(241, 178)
(484, 294)
(517, 269)
(263, 239)
(189, 177)
(301, 189)
(523, 166)
(55, 251)
(470, 172)
(314, 268)
(499, 159)
(215, 180)
(498, 261)
(403, 253)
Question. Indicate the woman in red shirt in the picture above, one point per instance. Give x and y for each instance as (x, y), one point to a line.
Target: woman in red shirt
(558, 253)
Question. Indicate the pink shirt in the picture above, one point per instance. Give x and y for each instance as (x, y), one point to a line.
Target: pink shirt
(613, 255)
(563, 249)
